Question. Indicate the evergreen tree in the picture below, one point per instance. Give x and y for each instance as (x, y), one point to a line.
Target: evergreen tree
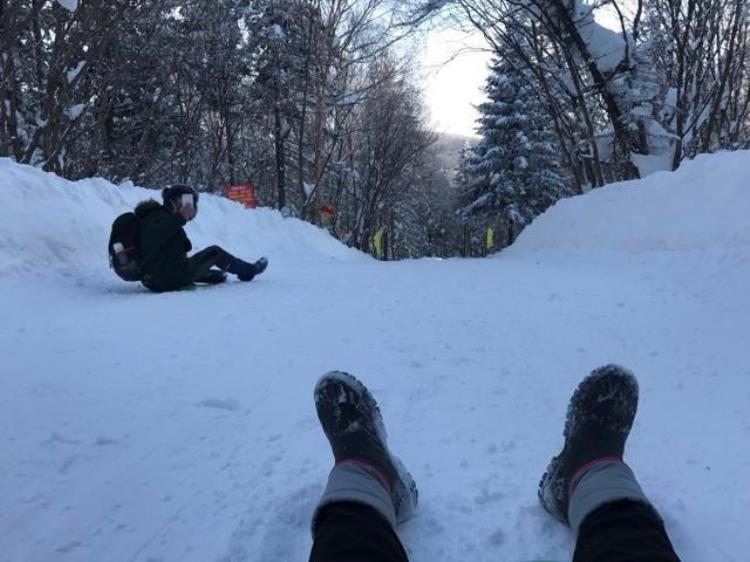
(461, 177)
(513, 173)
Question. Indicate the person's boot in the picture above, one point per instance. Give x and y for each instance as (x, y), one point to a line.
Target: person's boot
(354, 427)
(260, 265)
(247, 271)
(600, 416)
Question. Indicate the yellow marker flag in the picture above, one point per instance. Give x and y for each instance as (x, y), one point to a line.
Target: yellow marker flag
(377, 243)
(490, 242)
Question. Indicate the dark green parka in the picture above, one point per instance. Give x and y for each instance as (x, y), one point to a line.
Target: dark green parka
(164, 247)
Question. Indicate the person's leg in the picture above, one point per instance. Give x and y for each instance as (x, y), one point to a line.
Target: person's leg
(590, 488)
(345, 531)
(216, 256)
(213, 277)
(623, 531)
(368, 490)
(213, 256)
(202, 265)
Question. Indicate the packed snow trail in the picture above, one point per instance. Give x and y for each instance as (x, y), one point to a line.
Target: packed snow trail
(144, 427)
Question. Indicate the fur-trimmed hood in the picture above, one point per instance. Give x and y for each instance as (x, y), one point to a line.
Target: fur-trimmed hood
(146, 207)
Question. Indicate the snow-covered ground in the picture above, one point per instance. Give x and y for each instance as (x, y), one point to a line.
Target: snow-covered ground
(144, 427)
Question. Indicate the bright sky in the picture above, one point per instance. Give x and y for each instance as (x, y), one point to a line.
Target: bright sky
(455, 71)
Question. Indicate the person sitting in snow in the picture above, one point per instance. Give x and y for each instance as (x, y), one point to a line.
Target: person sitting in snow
(587, 486)
(164, 246)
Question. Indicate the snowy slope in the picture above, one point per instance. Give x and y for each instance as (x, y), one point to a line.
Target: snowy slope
(48, 224)
(142, 427)
(704, 206)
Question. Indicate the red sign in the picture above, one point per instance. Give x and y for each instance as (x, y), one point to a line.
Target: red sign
(326, 214)
(243, 193)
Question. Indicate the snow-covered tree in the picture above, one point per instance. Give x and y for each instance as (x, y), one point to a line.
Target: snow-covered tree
(301, 98)
(461, 177)
(47, 52)
(275, 32)
(514, 170)
(700, 49)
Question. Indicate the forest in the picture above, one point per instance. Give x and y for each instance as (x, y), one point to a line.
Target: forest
(318, 103)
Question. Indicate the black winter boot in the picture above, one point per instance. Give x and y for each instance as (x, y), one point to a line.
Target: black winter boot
(352, 422)
(600, 415)
(260, 265)
(249, 270)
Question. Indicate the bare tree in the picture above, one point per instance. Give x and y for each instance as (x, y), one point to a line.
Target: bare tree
(701, 49)
(393, 139)
(47, 51)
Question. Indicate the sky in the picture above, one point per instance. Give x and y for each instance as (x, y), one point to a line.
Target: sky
(455, 69)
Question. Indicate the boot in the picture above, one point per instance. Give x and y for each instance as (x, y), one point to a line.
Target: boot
(600, 416)
(247, 271)
(352, 422)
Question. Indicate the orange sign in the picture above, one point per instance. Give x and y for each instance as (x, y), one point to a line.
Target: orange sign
(243, 193)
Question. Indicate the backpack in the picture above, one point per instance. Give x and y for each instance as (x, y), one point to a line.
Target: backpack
(123, 247)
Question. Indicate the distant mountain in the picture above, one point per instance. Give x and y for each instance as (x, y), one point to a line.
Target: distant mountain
(447, 149)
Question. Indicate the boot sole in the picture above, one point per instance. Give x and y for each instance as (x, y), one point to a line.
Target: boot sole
(405, 490)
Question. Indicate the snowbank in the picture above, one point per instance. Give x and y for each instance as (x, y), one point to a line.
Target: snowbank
(703, 206)
(48, 223)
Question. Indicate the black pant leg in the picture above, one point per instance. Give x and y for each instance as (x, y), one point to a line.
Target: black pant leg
(217, 256)
(352, 532)
(213, 256)
(624, 531)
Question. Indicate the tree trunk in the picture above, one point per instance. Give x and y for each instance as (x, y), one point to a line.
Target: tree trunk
(280, 157)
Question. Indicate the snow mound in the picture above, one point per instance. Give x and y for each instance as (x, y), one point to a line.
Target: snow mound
(703, 206)
(48, 223)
